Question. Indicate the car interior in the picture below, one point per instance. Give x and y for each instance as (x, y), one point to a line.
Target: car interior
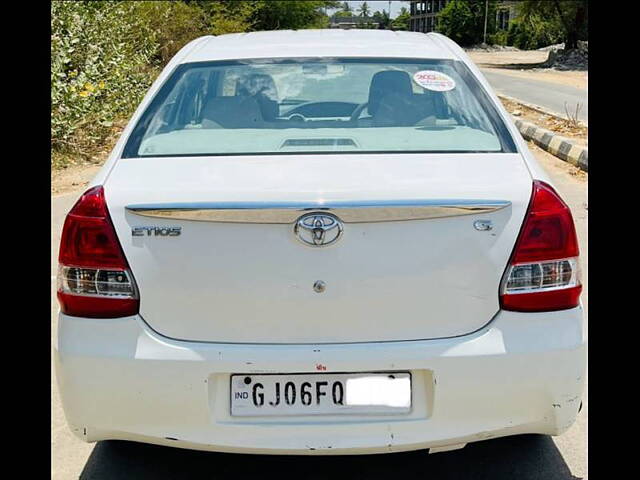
(255, 104)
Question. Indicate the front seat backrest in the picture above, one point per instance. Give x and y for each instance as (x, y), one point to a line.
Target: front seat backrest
(385, 83)
(232, 112)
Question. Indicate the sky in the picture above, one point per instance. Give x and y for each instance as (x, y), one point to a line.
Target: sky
(396, 5)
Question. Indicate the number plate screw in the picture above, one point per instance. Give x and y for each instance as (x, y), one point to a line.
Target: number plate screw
(319, 286)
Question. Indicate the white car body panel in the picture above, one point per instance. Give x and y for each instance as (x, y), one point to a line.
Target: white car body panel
(155, 379)
(314, 43)
(510, 377)
(253, 283)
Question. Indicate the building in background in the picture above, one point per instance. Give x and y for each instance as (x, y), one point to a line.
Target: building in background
(506, 12)
(424, 14)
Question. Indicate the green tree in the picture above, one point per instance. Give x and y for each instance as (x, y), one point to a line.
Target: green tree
(463, 20)
(174, 24)
(346, 8)
(534, 32)
(290, 14)
(572, 15)
(342, 14)
(364, 9)
(383, 19)
(401, 22)
(225, 16)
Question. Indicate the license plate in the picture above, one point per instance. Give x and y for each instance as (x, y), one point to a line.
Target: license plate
(320, 394)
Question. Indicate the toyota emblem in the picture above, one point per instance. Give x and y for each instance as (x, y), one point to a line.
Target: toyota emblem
(318, 229)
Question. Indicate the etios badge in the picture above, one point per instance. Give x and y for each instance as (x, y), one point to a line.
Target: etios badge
(318, 229)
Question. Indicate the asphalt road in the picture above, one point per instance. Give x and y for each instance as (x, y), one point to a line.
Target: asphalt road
(524, 457)
(550, 96)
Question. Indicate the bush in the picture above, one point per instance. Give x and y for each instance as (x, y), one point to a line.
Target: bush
(104, 57)
(106, 54)
(533, 33)
(173, 25)
(498, 38)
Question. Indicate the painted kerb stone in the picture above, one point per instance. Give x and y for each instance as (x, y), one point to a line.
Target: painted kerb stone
(555, 144)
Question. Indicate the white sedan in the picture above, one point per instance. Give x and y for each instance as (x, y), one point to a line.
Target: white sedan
(320, 242)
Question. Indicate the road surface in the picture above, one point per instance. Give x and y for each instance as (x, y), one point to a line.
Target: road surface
(550, 96)
(523, 457)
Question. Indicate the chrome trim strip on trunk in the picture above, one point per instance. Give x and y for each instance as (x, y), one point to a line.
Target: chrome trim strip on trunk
(288, 212)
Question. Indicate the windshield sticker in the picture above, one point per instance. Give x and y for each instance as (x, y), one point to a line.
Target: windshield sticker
(433, 80)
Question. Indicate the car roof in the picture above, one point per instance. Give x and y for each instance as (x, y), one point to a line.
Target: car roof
(322, 43)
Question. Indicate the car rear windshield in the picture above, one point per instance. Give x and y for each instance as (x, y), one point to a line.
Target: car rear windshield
(280, 106)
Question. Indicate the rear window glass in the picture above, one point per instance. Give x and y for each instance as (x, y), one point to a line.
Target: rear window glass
(278, 106)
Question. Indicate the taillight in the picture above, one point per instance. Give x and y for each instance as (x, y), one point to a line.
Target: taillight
(543, 272)
(94, 279)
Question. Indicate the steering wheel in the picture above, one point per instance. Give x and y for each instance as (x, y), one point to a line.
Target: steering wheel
(358, 111)
(297, 117)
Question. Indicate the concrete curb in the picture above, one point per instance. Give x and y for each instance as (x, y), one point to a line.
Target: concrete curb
(556, 145)
(539, 109)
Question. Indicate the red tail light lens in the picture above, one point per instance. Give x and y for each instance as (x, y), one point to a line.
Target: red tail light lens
(94, 279)
(543, 273)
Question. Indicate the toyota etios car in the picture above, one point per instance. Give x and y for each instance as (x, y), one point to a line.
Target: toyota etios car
(315, 242)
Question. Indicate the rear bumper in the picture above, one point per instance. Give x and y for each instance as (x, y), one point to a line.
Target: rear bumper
(523, 373)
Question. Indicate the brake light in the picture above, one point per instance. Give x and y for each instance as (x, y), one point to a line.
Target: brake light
(94, 279)
(543, 273)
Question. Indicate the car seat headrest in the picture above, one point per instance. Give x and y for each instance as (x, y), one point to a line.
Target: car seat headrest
(232, 112)
(387, 82)
(263, 88)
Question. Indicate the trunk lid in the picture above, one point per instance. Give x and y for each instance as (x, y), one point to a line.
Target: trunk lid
(385, 280)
